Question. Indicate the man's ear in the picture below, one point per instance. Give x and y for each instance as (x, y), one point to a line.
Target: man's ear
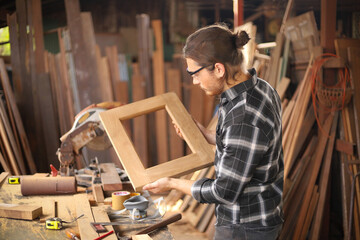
(219, 70)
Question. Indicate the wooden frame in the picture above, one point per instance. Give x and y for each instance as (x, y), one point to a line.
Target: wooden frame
(202, 155)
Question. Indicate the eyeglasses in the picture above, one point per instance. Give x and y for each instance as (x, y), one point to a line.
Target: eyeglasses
(192, 73)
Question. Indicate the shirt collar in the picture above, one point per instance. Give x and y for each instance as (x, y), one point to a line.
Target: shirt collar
(236, 90)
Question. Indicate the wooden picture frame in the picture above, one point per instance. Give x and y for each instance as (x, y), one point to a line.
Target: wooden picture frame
(202, 154)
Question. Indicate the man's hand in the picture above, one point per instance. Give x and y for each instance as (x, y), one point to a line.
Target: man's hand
(166, 184)
(161, 185)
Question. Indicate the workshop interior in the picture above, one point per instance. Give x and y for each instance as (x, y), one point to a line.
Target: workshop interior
(90, 92)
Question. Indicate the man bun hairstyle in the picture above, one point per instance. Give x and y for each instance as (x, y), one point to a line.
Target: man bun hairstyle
(242, 38)
(217, 44)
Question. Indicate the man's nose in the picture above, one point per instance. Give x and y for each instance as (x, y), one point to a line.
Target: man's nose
(195, 81)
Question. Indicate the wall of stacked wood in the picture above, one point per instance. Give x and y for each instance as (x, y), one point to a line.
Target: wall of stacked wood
(320, 135)
(320, 124)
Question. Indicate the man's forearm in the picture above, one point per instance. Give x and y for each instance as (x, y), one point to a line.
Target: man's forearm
(182, 185)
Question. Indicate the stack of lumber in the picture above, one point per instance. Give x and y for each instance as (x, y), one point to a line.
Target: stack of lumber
(318, 136)
(15, 155)
(50, 89)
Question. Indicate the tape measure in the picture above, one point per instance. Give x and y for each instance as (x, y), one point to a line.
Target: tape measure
(14, 180)
(56, 223)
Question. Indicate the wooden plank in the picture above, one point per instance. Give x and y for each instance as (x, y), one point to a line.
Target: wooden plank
(11, 137)
(84, 57)
(25, 212)
(112, 57)
(317, 163)
(15, 64)
(174, 85)
(37, 25)
(354, 61)
(282, 87)
(8, 149)
(110, 178)
(144, 49)
(100, 215)
(324, 181)
(68, 98)
(201, 157)
(310, 212)
(98, 193)
(3, 176)
(204, 222)
(140, 133)
(4, 163)
(82, 206)
(159, 88)
(11, 100)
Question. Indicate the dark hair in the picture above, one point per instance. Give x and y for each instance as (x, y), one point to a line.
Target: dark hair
(217, 43)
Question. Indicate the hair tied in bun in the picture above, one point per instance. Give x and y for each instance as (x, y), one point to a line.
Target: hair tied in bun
(242, 38)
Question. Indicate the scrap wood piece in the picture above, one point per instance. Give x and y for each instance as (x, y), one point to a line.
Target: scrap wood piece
(110, 178)
(3, 176)
(82, 206)
(324, 181)
(98, 192)
(314, 173)
(310, 212)
(26, 212)
(100, 215)
(345, 147)
(20, 127)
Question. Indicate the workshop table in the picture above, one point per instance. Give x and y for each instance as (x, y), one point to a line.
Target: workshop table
(66, 210)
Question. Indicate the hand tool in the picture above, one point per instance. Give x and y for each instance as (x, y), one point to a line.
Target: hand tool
(72, 235)
(56, 223)
(105, 235)
(14, 180)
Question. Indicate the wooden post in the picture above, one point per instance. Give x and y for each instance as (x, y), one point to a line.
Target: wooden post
(159, 88)
(238, 9)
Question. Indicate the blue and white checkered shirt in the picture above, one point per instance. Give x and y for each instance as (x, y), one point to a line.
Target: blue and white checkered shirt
(249, 157)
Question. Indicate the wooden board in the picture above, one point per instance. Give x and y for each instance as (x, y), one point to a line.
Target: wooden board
(25, 212)
(140, 133)
(20, 127)
(83, 207)
(3, 176)
(159, 88)
(202, 154)
(110, 178)
(174, 85)
(100, 215)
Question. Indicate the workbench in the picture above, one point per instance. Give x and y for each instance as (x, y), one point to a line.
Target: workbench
(68, 208)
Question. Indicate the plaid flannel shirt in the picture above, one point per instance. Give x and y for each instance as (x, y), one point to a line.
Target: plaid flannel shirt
(249, 157)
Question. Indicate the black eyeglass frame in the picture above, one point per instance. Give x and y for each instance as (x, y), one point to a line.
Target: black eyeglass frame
(196, 71)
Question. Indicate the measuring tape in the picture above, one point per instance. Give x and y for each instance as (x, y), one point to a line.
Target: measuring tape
(14, 180)
(56, 223)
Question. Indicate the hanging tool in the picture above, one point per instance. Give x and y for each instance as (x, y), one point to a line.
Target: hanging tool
(56, 223)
